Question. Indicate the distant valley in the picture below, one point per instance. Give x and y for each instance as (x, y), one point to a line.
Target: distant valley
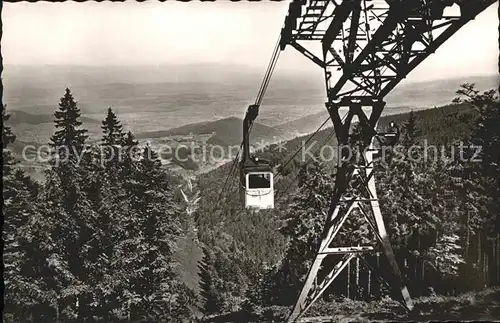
(194, 103)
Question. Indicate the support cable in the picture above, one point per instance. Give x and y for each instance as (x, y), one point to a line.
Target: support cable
(298, 150)
(258, 101)
(268, 74)
(233, 167)
(307, 162)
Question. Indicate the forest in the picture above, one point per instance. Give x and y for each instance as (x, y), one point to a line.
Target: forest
(119, 241)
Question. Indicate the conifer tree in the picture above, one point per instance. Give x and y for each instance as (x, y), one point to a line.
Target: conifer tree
(151, 229)
(113, 130)
(15, 196)
(129, 145)
(23, 249)
(69, 135)
(112, 140)
(130, 141)
(32, 285)
(68, 183)
(410, 130)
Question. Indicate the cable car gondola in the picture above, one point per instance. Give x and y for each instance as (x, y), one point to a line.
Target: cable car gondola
(392, 135)
(256, 175)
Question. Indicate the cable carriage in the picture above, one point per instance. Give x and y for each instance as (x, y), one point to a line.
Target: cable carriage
(257, 189)
(256, 175)
(392, 135)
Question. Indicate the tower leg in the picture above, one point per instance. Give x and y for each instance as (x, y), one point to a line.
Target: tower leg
(384, 238)
(341, 207)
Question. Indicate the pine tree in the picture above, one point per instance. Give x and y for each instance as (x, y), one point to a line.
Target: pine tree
(130, 140)
(129, 145)
(411, 131)
(26, 271)
(69, 136)
(151, 227)
(113, 130)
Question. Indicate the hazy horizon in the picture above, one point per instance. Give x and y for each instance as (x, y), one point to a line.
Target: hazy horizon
(172, 33)
(313, 76)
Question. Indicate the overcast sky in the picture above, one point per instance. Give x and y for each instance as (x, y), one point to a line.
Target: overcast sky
(245, 33)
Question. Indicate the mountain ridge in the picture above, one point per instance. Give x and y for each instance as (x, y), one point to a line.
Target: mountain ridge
(18, 117)
(225, 131)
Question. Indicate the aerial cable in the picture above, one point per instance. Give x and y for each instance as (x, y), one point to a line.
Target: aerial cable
(261, 89)
(307, 162)
(268, 79)
(298, 150)
(320, 147)
(269, 71)
(265, 77)
(233, 167)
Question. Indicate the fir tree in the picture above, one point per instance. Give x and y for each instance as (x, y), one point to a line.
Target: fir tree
(410, 130)
(112, 141)
(69, 136)
(130, 141)
(129, 145)
(151, 229)
(113, 130)
(23, 256)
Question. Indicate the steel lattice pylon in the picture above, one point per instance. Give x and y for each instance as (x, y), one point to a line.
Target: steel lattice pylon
(366, 48)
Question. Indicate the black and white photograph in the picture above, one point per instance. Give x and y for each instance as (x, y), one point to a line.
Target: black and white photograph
(224, 161)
